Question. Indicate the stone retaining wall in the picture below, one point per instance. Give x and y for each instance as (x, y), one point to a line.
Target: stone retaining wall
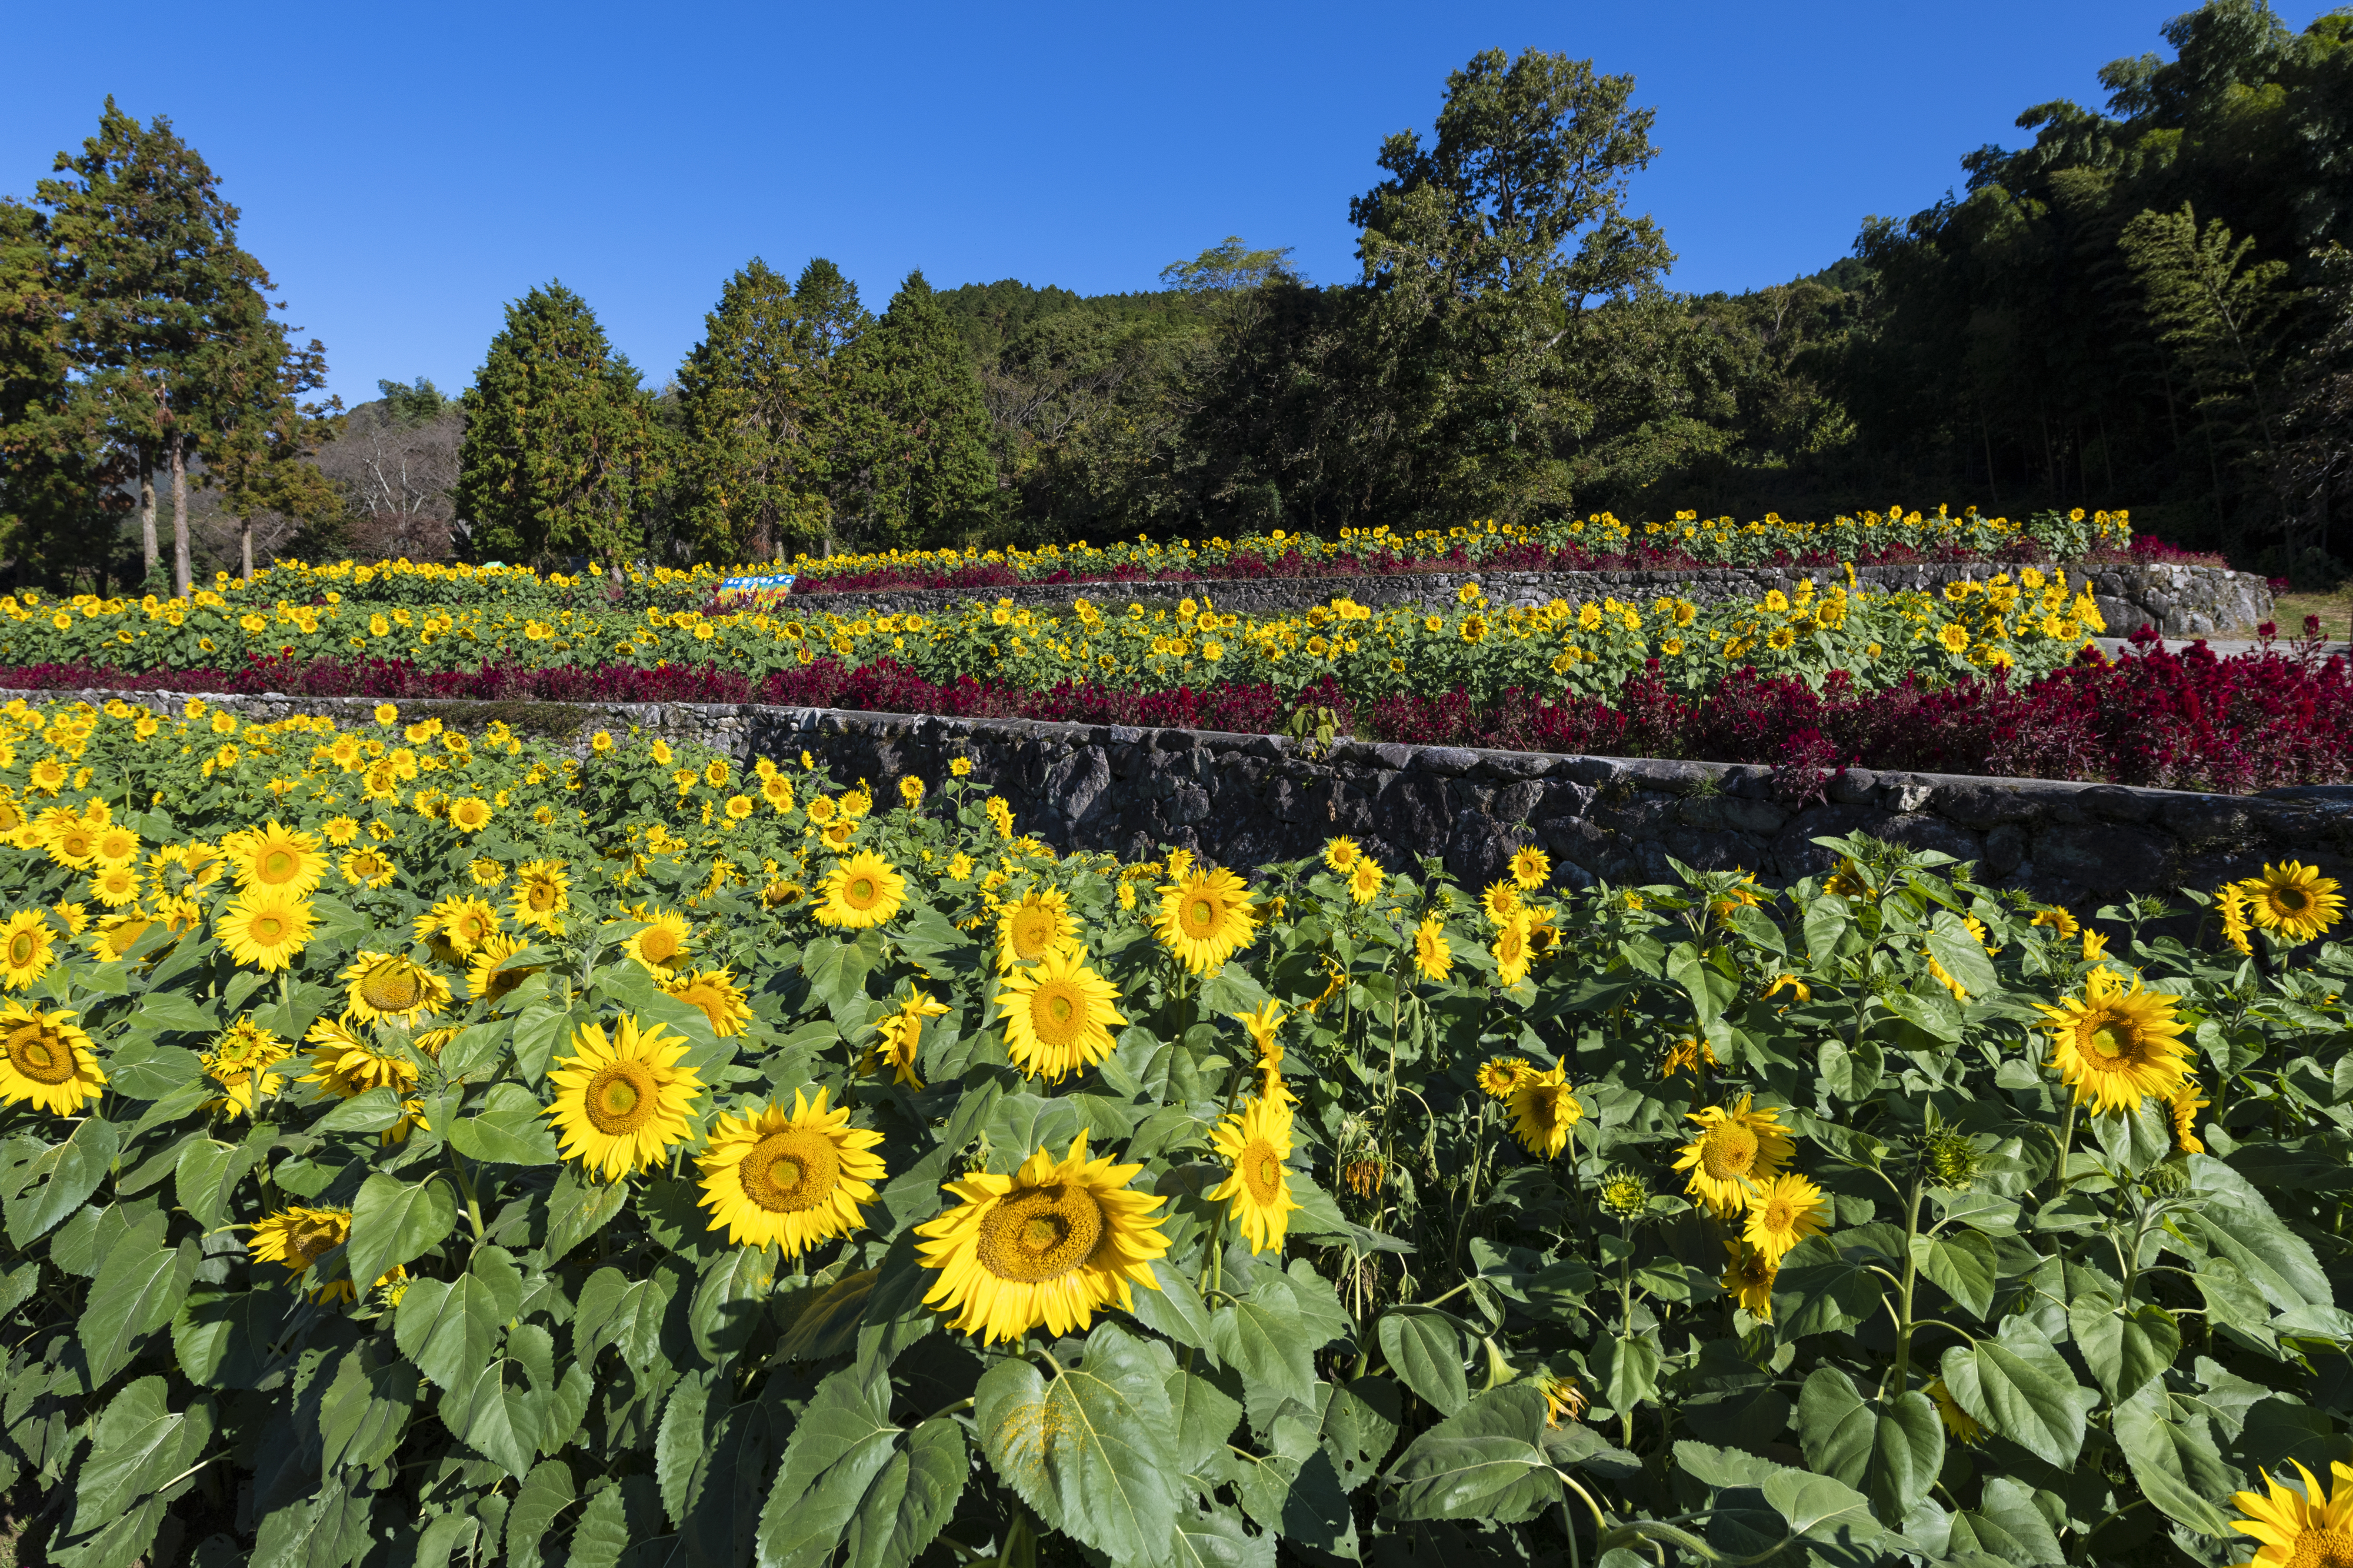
(1244, 800)
(2178, 601)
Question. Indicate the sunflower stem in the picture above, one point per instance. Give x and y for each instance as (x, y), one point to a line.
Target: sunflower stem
(2066, 1138)
(1898, 1371)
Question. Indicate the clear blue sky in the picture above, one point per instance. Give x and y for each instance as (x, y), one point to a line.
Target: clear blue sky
(406, 170)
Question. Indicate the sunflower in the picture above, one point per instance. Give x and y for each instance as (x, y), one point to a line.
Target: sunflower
(469, 813)
(1205, 918)
(490, 978)
(1786, 1209)
(1048, 1245)
(662, 942)
(1512, 949)
(1365, 879)
(715, 991)
(1748, 1279)
(387, 985)
(788, 1178)
(1544, 1109)
(2230, 902)
(901, 1035)
(1736, 1150)
(265, 927)
(1565, 1398)
(1340, 853)
(622, 1102)
(345, 1061)
(2184, 1107)
(1041, 923)
(541, 895)
(2115, 1047)
(239, 1061)
(862, 891)
(297, 1238)
(1433, 956)
(2294, 902)
(24, 954)
(71, 841)
(1531, 867)
(1058, 1016)
(2312, 1529)
(1500, 901)
(1957, 1421)
(1501, 1074)
(367, 867)
(115, 885)
(115, 845)
(1256, 1142)
(44, 1059)
(2062, 924)
(276, 859)
(464, 923)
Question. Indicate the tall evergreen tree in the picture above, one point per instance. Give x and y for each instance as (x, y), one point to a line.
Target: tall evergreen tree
(173, 347)
(751, 465)
(560, 450)
(911, 442)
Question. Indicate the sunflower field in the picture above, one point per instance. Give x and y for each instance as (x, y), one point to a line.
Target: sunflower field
(2029, 624)
(425, 1147)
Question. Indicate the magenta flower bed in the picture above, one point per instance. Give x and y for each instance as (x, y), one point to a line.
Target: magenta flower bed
(2280, 716)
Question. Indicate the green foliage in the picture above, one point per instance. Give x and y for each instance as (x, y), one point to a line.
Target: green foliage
(560, 450)
(910, 436)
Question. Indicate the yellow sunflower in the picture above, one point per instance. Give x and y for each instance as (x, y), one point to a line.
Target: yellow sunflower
(239, 1061)
(115, 885)
(465, 923)
(1957, 1421)
(1041, 923)
(2117, 1047)
(1049, 1245)
(469, 813)
(265, 927)
(788, 1178)
(1544, 1109)
(298, 1236)
(1748, 1279)
(276, 859)
(715, 992)
(1501, 1074)
(46, 1059)
(2062, 924)
(1512, 949)
(1058, 1016)
(115, 845)
(1205, 918)
(345, 1061)
(662, 943)
(1531, 867)
(1258, 1190)
(1786, 1209)
(1365, 879)
(901, 1036)
(2293, 900)
(367, 867)
(490, 977)
(1340, 853)
(1433, 956)
(1500, 901)
(541, 895)
(2231, 903)
(622, 1102)
(862, 891)
(2186, 1104)
(24, 949)
(1736, 1153)
(2311, 1529)
(387, 985)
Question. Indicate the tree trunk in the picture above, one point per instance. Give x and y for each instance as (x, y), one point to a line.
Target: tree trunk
(180, 566)
(147, 515)
(245, 547)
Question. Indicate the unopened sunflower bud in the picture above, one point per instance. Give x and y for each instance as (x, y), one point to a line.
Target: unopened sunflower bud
(1624, 1194)
(1951, 1159)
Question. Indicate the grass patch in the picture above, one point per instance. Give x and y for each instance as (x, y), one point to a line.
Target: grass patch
(2335, 609)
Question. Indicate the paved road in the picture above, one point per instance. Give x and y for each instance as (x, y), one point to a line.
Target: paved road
(2222, 645)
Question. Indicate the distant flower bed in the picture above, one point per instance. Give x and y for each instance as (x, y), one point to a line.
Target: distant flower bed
(2280, 716)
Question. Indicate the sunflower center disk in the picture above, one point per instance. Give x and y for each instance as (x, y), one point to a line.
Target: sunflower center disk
(658, 945)
(40, 1058)
(791, 1171)
(1202, 917)
(1040, 1233)
(21, 947)
(621, 1099)
(275, 867)
(1263, 1171)
(542, 898)
(860, 892)
(1728, 1151)
(1058, 1013)
(390, 990)
(2111, 1042)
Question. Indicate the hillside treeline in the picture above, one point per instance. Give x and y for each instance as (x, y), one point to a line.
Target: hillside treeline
(2147, 305)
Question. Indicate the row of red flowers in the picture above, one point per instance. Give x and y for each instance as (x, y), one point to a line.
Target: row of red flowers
(2282, 715)
(1520, 557)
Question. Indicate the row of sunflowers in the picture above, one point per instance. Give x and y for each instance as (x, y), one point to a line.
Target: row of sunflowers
(2032, 622)
(424, 1146)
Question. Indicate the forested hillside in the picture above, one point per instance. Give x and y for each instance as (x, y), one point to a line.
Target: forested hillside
(2146, 305)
